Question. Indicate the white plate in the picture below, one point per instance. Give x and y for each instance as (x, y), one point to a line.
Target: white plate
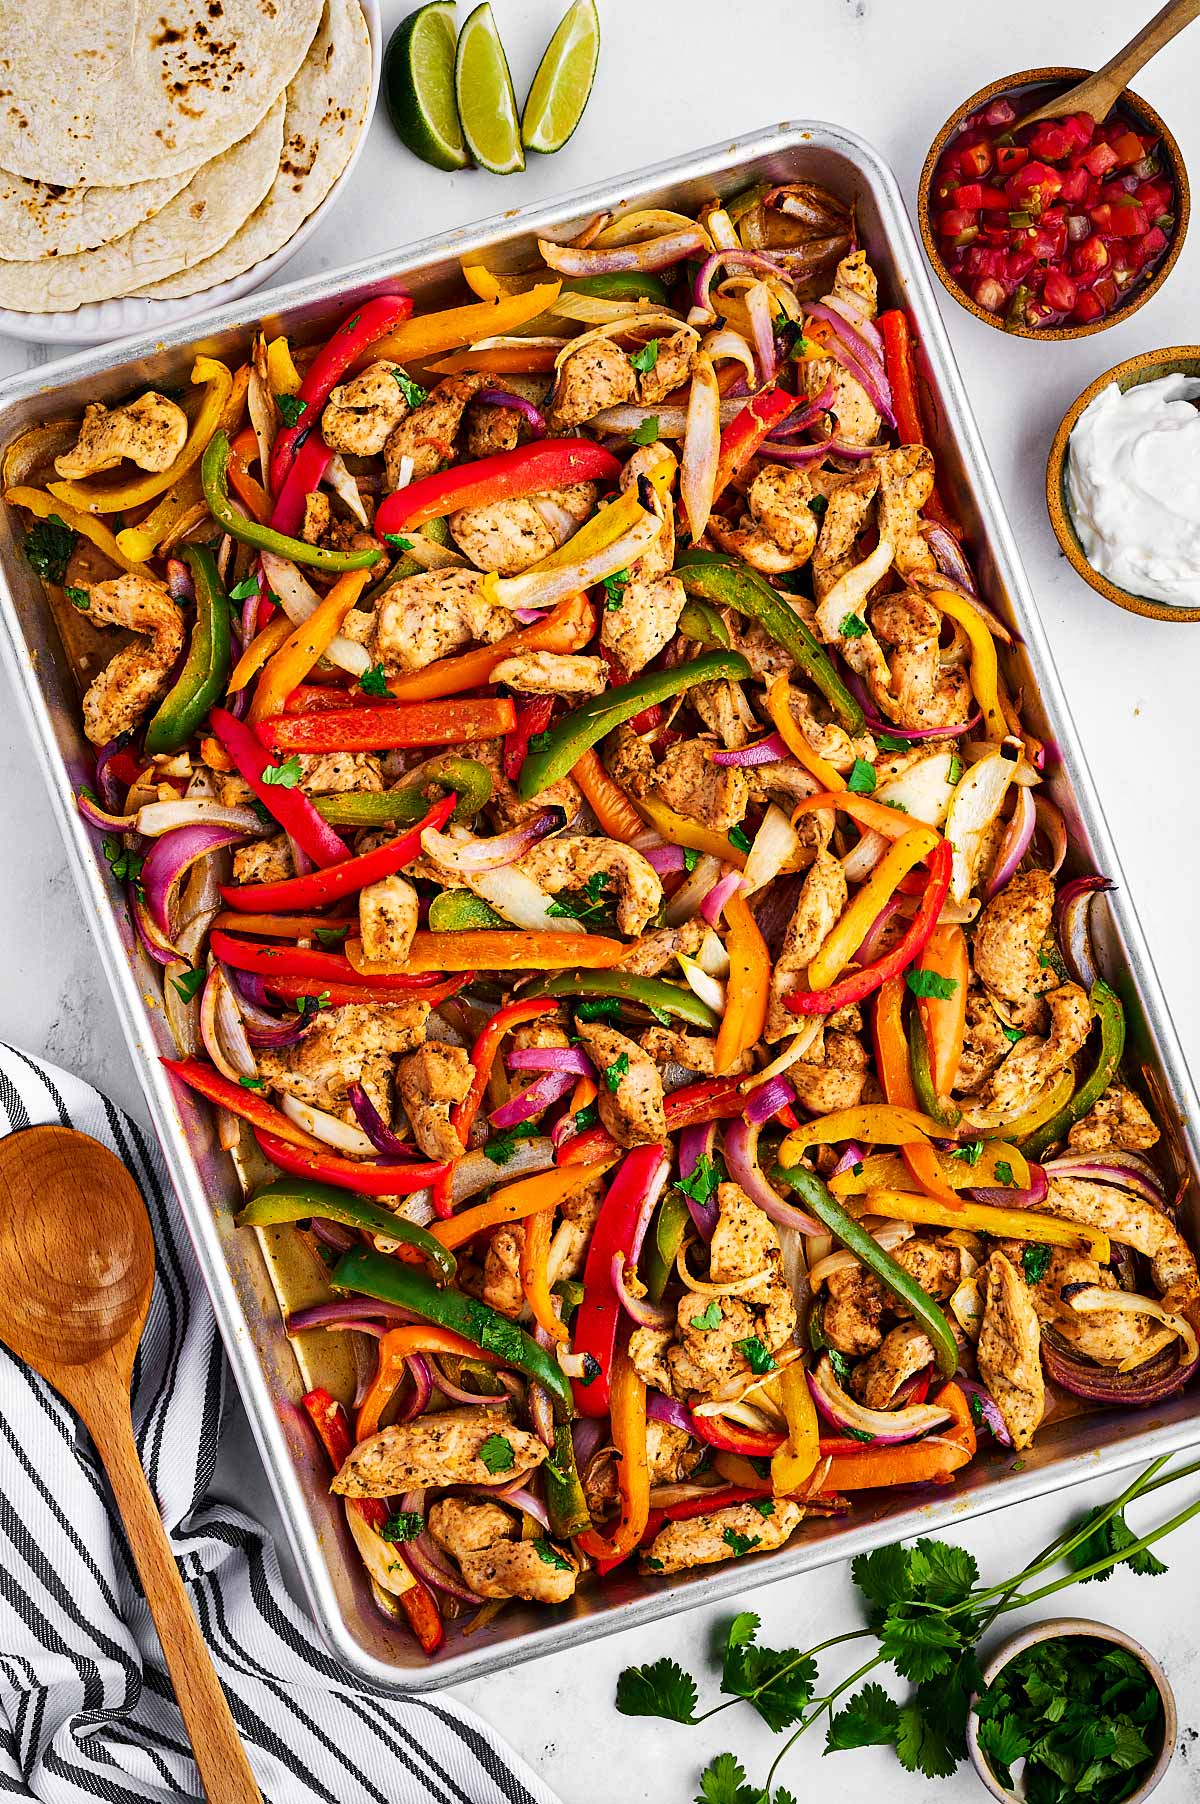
(100, 321)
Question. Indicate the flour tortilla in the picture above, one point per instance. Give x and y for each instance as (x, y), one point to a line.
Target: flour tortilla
(39, 220)
(108, 92)
(197, 222)
(326, 111)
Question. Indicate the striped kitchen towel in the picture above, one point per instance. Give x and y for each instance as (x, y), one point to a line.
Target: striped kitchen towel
(86, 1707)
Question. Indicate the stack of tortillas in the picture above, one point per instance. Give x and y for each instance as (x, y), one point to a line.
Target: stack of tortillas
(160, 147)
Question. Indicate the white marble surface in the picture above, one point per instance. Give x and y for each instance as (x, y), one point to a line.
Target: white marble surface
(676, 74)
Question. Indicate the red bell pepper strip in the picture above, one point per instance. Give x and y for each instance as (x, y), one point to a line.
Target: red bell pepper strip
(731, 1438)
(304, 477)
(304, 961)
(315, 698)
(332, 1425)
(390, 727)
(906, 405)
(345, 878)
(713, 1100)
(483, 1057)
(366, 1176)
(551, 463)
(248, 1105)
(533, 716)
(857, 984)
(371, 321)
(337, 995)
(747, 430)
(290, 807)
(600, 1312)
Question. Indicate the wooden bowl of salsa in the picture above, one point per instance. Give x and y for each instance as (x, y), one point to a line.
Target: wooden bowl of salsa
(1059, 229)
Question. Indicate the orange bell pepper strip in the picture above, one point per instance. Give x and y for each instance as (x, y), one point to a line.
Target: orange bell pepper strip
(895, 1075)
(247, 1105)
(535, 1274)
(617, 816)
(250, 492)
(627, 1395)
(276, 927)
(748, 987)
(305, 645)
(567, 627)
(900, 364)
(944, 1018)
(496, 949)
(390, 726)
(261, 648)
(876, 1123)
(528, 1196)
(214, 754)
(934, 1460)
(396, 1347)
(500, 360)
(779, 708)
(863, 809)
(924, 1166)
(840, 945)
(798, 1456)
(692, 834)
(432, 333)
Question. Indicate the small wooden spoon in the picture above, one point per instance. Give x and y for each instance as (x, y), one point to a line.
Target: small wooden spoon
(1098, 94)
(76, 1272)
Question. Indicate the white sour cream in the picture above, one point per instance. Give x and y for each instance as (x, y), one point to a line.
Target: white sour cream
(1133, 485)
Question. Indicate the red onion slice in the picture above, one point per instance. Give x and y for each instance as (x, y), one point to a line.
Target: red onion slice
(1051, 823)
(802, 455)
(852, 1156)
(758, 306)
(160, 948)
(859, 358)
(96, 816)
(1015, 844)
(989, 1409)
(347, 1312)
(764, 751)
(702, 286)
(551, 1058)
(417, 1367)
(806, 417)
(503, 397)
(669, 1410)
(719, 894)
(665, 859)
(887, 1428)
(869, 949)
(947, 553)
(374, 1126)
(1001, 1198)
(696, 1143)
(170, 857)
(479, 855)
(1153, 1382)
(651, 254)
(111, 792)
(875, 722)
(1072, 926)
(741, 1155)
(179, 580)
(457, 1393)
(855, 318)
(425, 1558)
(520, 1497)
(768, 1099)
(533, 1100)
(1111, 1168)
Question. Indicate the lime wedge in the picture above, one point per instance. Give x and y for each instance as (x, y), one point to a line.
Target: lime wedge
(418, 80)
(487, 105)
(563, 81)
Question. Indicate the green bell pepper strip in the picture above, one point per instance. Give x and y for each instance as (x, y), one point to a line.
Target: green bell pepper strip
(701, 622)
(214, 480)
(455, 910)
(654, 993)
(710, 577)
(555, 753)
(928, 1100)
(296, 1199)
(470, 781)
(1106, 1006)
(202, 680)
(819, 1200)
(658, 1255)
(621, 285)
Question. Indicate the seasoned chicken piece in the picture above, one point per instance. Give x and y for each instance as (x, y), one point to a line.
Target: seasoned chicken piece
(576, 862)
(820, 905)
(671, 1454)
(779, 500)
(689, 782)
(264, 861)
(1009, 937)
(904, 1351)
(834, 1081)
(855, 282)
(354, 1044)
(905, 485)
(630, 1089)
(766, 657)
(648, 614)
(1009, 1351)
(851, 405)
(428, 434)
(937, 1265)
(629, 760)
(569, 1245)
(1033, 1061)
(848, 500)
(360, 415)
(648, 1349)
(439, 1449)
(844, 604)
(723, 708)
(722, 1535)
(655, 951)
(429, 1081)
(150, 432)
(1119, 1120)
(985, 1043)
(388, 913)
(483, 1538)
(658, 559)
(138, 675)
(1108, 1336)
(707, 1353)
(754, 545)
(829, 740)
(695, 1052)
(425, 617)
(853, 1311)
(491, 429)
(671, 369)
(510, 536)
(596, 376)
(921, 689)
(1135, 1224)
(340, 773)
(746, 1240)
(318, 517)
(506, 807)
(552, 673)
(502, 1286)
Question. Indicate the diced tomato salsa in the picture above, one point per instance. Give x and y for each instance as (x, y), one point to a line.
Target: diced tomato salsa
(1051, 224)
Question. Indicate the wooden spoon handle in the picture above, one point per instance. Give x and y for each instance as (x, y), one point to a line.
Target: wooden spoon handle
(219, 1754)
(1156, 32)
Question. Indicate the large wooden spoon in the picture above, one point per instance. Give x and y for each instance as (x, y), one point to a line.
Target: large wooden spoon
(76, 1272)
(1099, 93)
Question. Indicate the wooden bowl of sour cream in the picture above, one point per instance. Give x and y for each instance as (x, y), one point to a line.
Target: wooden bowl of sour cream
(1135, 371)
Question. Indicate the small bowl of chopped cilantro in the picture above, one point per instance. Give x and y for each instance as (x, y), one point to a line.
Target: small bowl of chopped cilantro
(1072, 1709)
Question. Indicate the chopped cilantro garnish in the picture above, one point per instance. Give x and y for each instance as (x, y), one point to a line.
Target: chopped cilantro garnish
(818, 503)
(614, 591)
(764, 1506)
(1004, 1173)
(501, 1147)
(586, 1117)
(48, 547)
(739, 838)
(190, 984)
(598, 1008)
(740, 1543)
(283, 776)
(708, 1318)
(1012, 1034)
(251, 1083)
(374, 681)
(970, 1154)
(497, 1454)
(125, 864)
(954, 773)
(79, 598)
(245, 589)
(891, 742)
(308, 1005)
(691, 858)
(702, 1181)
(644, 360)
(412, 391)
(852, 627)
(397, 541)
(402, 1525)
(757, 1357)
(551, 1557)
(616, 1071)
(930, 983)
(1035, 1262)
(862, 779)
(331, 936)
(290, 408)
(647, 432)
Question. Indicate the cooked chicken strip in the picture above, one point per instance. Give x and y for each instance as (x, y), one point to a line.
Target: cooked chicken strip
(1034, 1061)
(483, 1538)
(150, 432)
(444, 1448)
(820, 905)
(596, 376)
(1134, 1223)
(360, 415)
(1120, 1120)
(1009, 1351)
(904, 1351)
(388, 912)
(1009, 937)
(722, 1535)
(428, 434)
(138, 675)
(630, 1096)
(430, 1080)
(571, 862)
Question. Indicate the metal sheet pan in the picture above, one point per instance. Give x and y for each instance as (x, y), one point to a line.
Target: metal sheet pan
(233, 1263)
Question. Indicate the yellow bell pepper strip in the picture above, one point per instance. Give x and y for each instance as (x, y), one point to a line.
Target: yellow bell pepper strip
(986, 1218)
(565, 743)
(304, 646)
(796, 1460)
(495, 949)
(202, 679)
(433, 333)
(184, 505)
(1106, 1006)
(286, 1200)
(214, 474)
(850, 931)
(859, 983)
(748, 986)
(611, 539)
(819, 1201)
(943, 1010)
(548, 463)
(779, 709)
(614, 812)
(44, 506)
(627, 1394)
(984, 669)
(261, 648)
(396, 1348)
(282, 373)
(877, 1123)
(568, 627)
(889, 1171)
(535, 1195)
(688, 833)
(535, 1274)
(480, 280)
